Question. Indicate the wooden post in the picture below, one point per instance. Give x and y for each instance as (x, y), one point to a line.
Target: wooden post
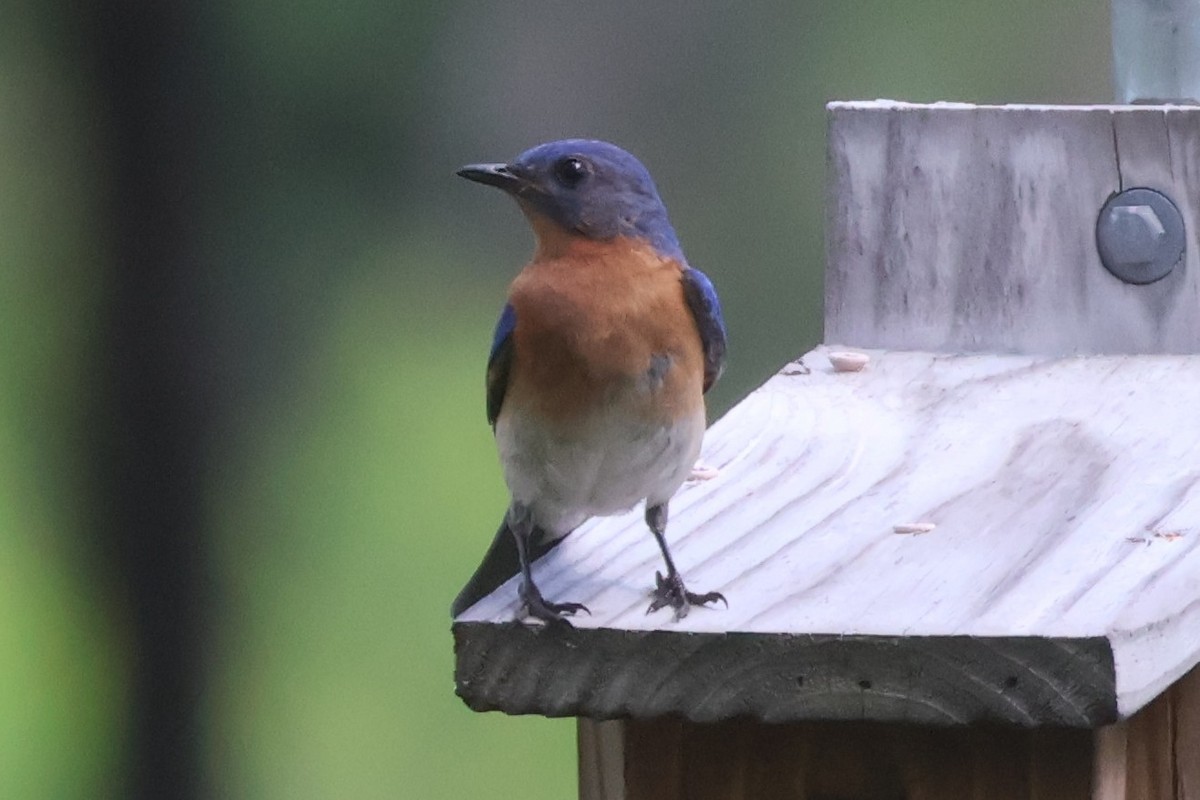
(968, 570)
(741, 759)
(1152, 756)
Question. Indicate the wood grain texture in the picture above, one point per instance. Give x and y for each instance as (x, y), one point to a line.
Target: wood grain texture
(601, 759)
(742, 760)
(604, 673)
(1108, 765)
(1185, 696)
(1066, 494)
(962, 228)
(1154, 755)
(1149, 765)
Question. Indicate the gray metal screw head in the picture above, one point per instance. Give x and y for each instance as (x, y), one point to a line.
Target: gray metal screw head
(1140, 235)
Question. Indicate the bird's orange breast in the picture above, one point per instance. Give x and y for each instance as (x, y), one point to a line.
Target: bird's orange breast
(604, 322)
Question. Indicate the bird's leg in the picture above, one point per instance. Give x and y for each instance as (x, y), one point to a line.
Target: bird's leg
(670, 590)
(520, 522)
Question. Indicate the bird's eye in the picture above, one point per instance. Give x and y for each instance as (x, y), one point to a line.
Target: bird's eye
(570, 171)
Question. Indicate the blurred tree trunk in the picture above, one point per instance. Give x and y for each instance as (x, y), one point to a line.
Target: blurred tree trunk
(154, 403)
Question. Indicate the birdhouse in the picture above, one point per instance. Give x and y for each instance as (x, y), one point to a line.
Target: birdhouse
(961, 539)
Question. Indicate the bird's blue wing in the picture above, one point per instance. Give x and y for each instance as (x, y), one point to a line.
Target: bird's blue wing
(500, 362)
(702, 300)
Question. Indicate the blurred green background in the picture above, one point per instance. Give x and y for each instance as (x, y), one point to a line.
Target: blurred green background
(353, 484)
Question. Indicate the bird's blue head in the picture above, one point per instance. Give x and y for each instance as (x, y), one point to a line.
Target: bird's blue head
(591, 188)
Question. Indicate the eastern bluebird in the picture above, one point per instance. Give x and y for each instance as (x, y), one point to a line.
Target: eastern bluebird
(599, 363)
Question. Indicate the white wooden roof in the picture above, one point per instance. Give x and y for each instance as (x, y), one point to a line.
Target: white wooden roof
(1065, 494)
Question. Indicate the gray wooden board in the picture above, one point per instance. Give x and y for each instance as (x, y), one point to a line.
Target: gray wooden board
(704, 677)
(954, 227)
(1066, 498)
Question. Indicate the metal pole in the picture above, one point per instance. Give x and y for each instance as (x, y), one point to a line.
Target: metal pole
(1156, 51)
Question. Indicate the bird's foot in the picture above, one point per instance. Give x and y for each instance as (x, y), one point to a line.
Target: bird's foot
(670, 591)
(539, 608)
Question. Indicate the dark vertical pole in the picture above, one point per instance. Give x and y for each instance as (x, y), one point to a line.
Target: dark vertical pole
(156, 405)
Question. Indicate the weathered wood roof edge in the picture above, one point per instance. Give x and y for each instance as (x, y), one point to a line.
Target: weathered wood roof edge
(951, 680)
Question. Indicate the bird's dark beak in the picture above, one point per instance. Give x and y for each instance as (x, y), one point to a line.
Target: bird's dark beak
(498, 175)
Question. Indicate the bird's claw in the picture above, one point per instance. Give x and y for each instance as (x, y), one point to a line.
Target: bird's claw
(670, 591)
(539, 608)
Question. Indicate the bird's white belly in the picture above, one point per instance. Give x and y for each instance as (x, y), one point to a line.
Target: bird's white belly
(603, 466)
